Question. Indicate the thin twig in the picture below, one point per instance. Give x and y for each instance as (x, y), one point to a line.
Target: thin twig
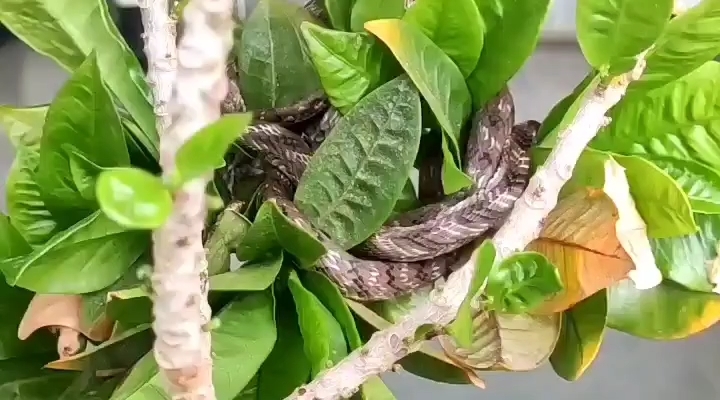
(523, 225)
(180, 307)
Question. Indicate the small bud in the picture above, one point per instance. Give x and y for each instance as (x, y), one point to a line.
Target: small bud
(213, 324)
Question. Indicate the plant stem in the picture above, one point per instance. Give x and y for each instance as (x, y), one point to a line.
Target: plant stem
(189, 83)
(523, 225)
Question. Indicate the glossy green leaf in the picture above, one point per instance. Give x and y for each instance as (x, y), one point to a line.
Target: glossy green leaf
(272, 231)
(332, 299)
(12, 244)
(240, 344)
(434, 73)
(83, 172)
(612, 33)
(454, 26)
(351, 184)
(462, 328)
(324, 342)
(700, 182)
(661, 202)
(227, 231)
(84, 258)
(350, 64)
(370, 10)
(688, 42)
(134, 198)
(205, 150)
(274, 64)
(339, 12)
(687, 259)
(581, 334)
(514, 34)
(257, 275)
(521, 282)
(82, 116)
(665, 312)
(286, 367)
(562, 114)
(77, 30)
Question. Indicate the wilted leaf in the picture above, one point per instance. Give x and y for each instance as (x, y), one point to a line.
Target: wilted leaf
(352, 182)
(512, 342)
(582, 331)
(134, 198)
(49, 310)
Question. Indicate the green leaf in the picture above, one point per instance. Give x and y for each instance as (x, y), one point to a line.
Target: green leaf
(369, 10)
(253, 276)
(612, 33)
(331, 298)
(660, 122)
(78, 30)
(454, 26)
(660, 201)
(514, 34)
(565, 111)
(286, 367)
(700, 182)
(521, 282)
(375, 389)
(25, 378)
(84, 258)
(339, 12)
(271, 231)
(83, 172)
(323, 337)
(229, 229)
(241, 343)
(462, 327)
(688, 42)
(12, 244)
(441, 84)
(274, 65)
(13, 303)
(134, 198)
(84, 117)
(351, 184)
(581, 334)
(687, 259)
(665, 312)
(205, 150)
(350, 64)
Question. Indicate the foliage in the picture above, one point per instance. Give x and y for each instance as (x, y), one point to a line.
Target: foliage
(84, 193)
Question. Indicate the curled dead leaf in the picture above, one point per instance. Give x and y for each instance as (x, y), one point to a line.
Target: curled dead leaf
(506, 342)
(580, 238)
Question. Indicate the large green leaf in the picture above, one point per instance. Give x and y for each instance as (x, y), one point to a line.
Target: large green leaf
(521, 282)
(274, 66)
(612, 33)
(256, 275)
(68, 32)
(12, 244)
(352, 182)
(689, 40)
(514, 35)
(272, 231)
(687, 259)
(323, 338)
(581, 334)
(350, 64)
(700, 182)
(661, 202)
(370, 10)
(82, 116)
(665, 312)
(241, 343)
(454, 26)
(441, 84)
(24, 200)
(86, 257)
(339, 12)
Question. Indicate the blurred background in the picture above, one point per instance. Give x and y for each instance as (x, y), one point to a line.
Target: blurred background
(627, 368)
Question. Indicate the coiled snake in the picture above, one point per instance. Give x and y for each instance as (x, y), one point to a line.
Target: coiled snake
(420, 246)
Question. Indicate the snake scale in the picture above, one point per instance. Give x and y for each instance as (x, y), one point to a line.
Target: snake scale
(417, 247)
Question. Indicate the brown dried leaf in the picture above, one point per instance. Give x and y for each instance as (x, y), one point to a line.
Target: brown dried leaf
(507, 342)
(580, 239)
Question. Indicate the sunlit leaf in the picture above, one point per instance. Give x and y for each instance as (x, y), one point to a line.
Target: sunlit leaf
(134, 198)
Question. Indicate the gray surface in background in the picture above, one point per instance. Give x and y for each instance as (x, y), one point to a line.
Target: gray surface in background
(626, 369)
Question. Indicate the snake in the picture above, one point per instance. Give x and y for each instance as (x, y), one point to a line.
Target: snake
(418, 247)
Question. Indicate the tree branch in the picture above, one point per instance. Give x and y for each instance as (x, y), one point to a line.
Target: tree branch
(523, 225)
(180, 307)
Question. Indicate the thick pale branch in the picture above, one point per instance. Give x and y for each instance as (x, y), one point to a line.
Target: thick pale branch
(181, 310)
(523, 225)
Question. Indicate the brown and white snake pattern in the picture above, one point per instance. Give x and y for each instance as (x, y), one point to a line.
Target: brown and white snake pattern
(420, 246)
